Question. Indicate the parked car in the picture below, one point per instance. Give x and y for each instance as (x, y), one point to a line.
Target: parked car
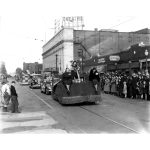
(46, 87)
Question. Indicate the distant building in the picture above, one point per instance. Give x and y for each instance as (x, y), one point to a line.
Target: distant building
(32, 67)
(69, 44)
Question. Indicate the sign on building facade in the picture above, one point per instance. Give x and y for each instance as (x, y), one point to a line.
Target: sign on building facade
(114, 58)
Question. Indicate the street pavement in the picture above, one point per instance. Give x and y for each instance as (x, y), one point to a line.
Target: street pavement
(41, 114)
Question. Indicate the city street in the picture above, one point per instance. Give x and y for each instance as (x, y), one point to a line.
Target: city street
(41, 114)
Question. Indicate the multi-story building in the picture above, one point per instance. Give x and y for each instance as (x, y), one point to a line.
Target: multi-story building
(69, 44)
(32, 67)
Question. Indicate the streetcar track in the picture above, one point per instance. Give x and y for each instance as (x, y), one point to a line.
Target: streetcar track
(90, 111)
(107, 118)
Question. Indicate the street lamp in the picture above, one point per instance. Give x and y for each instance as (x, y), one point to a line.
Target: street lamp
(146, 54)
(130, 67)
(81, 59)
(56, 61)
(116, 66)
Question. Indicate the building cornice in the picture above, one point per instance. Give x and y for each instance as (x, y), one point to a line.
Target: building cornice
(53, 37)
(56, 45)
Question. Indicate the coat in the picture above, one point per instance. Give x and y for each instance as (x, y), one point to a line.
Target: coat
(94, 76)
(5, 97)
(113, 86)
(107, 85)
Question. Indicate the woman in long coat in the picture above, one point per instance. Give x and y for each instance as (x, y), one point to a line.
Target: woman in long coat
(107, 85)
(113, 85)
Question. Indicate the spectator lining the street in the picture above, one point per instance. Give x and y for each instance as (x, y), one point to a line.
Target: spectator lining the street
(5, 94)
(14, 99)
(136, 86)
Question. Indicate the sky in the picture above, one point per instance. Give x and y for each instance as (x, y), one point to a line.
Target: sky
(23, 21)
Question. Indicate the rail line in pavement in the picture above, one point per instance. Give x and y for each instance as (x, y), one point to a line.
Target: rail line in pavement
(90, 111)
(109, 119)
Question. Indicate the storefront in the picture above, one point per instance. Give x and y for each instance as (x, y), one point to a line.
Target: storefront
(135, 58)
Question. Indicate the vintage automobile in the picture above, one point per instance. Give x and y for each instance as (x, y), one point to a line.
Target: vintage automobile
(46, 87)
(35, 80)
(25, 80)
(34, 84)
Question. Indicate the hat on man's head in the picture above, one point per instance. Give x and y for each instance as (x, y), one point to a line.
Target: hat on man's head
(13, 82)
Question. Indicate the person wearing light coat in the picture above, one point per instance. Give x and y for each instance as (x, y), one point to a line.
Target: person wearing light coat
(5, 95)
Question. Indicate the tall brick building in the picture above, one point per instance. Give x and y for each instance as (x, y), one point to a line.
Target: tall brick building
(32, 67)
(69, 44)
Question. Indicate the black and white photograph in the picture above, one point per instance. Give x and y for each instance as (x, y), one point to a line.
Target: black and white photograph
(74, 67)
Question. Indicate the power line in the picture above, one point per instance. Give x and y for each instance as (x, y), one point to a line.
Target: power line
(122, 22)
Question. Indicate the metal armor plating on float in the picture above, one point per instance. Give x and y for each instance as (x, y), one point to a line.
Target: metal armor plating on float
(74, 89)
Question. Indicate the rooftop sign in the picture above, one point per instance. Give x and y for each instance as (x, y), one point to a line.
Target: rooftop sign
(75, 22)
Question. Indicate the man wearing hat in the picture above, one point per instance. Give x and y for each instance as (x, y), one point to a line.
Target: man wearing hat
(5, 93)
(14, 98)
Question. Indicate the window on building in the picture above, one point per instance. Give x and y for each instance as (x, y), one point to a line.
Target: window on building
(138, 39)
(129, 39)
(120, 37)
(147, 39)
(111, 49)
(77, 39)
(79, 53)
(111, 37)
(102, 37)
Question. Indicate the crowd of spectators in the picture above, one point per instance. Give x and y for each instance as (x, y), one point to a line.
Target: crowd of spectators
(134, 86)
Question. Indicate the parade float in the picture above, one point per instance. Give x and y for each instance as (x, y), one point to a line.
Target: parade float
(74, 88)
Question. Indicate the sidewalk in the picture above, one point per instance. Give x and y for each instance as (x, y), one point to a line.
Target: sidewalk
(32, 122)
(32, 119)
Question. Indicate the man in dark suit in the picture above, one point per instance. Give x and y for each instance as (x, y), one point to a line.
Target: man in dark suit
(134, 85)
(14, 98)
(94, 78)
(148, 88)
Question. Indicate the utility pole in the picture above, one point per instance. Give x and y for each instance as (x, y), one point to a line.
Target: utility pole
(56, 61)
(82, 61)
